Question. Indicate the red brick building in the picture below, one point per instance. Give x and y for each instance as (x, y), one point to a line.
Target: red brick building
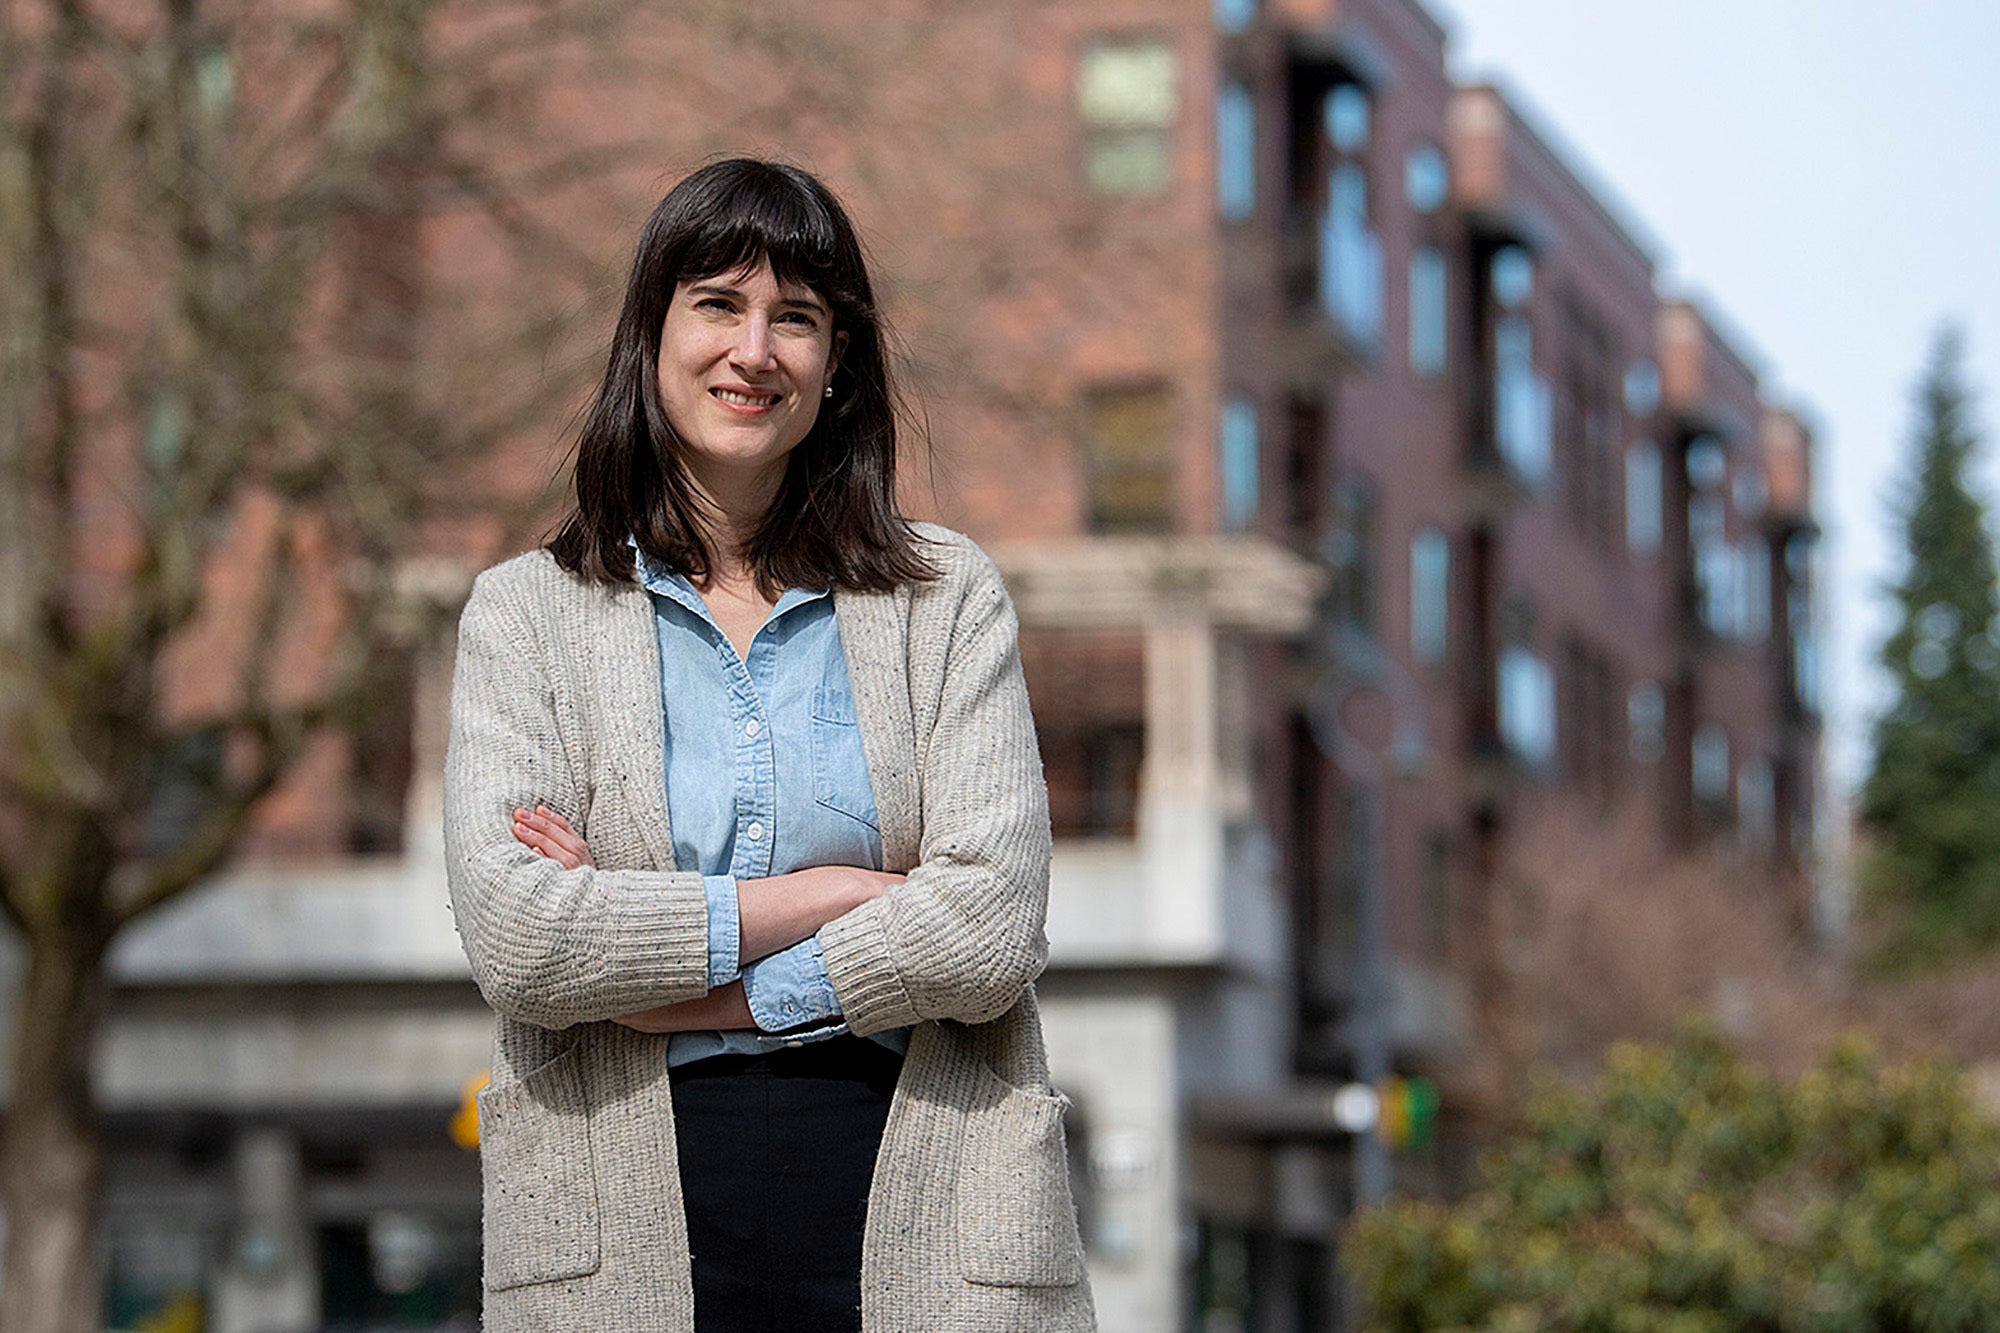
(1362, 499)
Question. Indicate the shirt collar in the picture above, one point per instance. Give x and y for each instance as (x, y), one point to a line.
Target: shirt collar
(675, 586)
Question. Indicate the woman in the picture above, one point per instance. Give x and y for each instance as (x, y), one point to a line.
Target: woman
(747, 839)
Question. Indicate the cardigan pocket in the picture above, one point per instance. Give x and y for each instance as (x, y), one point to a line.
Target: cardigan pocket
(1016, 1220)
(538, 1177)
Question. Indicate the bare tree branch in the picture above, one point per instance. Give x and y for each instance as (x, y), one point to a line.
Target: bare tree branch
(51, 271)
(214, 216)
(206, 845)
(9, 906)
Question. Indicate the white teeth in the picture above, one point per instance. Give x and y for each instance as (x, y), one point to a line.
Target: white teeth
(745, 399)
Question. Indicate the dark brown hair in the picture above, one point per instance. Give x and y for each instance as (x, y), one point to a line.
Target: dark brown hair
(833, 522)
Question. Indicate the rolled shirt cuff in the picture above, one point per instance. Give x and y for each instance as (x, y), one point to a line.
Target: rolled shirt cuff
(790, 990)
(725, 941)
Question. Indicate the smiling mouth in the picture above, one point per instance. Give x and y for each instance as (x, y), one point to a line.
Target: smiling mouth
(746, 399)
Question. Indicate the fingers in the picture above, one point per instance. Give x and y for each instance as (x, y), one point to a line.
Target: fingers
(547, 833)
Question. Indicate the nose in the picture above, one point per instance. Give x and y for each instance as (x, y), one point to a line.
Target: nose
(753, 343)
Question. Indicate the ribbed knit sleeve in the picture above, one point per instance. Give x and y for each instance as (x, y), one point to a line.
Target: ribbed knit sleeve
(548, 946)
(962, 936)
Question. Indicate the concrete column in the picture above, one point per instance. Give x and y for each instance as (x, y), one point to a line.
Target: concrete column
(430, 712)
(1180, 808)
(269, 1277)
(1115, 1054)
(428, 909)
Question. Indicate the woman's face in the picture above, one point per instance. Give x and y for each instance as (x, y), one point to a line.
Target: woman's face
(744, 366)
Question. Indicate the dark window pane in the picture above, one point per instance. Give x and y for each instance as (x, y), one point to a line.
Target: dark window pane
(1129, 162)
(1428, 318)
(1128, 438)
(1351, 552)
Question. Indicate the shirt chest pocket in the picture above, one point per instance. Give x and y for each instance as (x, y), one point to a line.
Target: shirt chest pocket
(839, 765)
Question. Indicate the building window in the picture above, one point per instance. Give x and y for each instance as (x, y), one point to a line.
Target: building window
(1521, 401)
(1241, 464)
(1348, 114)
(1235, 152)
(1710, 766)
(1128, 99)
(382, 752)
(1235, 15)
(1707, 463)
(1799, 621)
(1588, 420)
(1642, 388)
(1093, 778)
(187, 774)
(1757, 806)
(1527, 706)
(1805, 651)
(1430, 592)
(1351, 553)
(1512, 277)
(1426, 179)
(1645, 520)
(1305, 448)
(1646, 722)
(1089, 692)
(1714, 564)
(1112, 757)
(1128, 437)
(1753, 589)
(1350, 259)
(1428, 316)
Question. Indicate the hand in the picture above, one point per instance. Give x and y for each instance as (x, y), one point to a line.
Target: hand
(777, 912)
(547, 833)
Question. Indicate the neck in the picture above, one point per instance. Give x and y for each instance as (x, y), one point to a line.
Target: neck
(731, 503)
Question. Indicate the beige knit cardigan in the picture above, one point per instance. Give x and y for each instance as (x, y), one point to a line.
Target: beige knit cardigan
(556, 699)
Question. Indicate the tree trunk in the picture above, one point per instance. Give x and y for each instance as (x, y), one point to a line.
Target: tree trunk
(50, 1158)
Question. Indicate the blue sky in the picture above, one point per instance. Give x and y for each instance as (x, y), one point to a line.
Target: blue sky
(1823, 174)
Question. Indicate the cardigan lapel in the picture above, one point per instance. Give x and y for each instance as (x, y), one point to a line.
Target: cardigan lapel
(627, 652)
(874, 637)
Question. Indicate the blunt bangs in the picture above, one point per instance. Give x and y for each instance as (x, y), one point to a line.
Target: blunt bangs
(738, 214)
(749, 225)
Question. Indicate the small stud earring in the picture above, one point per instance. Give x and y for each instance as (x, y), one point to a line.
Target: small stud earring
(829, 392)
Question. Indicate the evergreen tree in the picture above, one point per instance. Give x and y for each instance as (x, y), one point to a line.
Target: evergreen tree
(1932, 802)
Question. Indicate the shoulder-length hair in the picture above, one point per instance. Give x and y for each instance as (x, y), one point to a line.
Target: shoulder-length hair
(833, 522)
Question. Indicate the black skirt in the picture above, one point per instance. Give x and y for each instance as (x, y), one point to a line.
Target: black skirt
(776, 1155)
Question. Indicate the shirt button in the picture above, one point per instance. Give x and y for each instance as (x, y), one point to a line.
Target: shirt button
(756, 831)
(752, 727)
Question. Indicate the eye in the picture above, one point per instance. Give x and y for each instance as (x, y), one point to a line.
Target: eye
(799, 319)
(713, 303)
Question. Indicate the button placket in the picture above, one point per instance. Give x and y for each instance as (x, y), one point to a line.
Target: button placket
(756, 769)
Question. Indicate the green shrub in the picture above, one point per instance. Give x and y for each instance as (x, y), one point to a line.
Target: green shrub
(1685, 1191)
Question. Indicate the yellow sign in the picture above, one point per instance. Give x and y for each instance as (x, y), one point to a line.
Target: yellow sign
(465, 1121)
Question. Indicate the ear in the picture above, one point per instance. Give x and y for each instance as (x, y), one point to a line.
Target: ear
(833, 357)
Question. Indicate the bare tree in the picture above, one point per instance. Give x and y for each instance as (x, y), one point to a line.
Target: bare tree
(235, 393)
(1616, 940)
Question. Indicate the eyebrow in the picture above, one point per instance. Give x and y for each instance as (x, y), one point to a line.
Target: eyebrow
(724, 289)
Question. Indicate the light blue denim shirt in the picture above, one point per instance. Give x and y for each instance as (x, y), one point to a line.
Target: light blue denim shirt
(765, 775)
